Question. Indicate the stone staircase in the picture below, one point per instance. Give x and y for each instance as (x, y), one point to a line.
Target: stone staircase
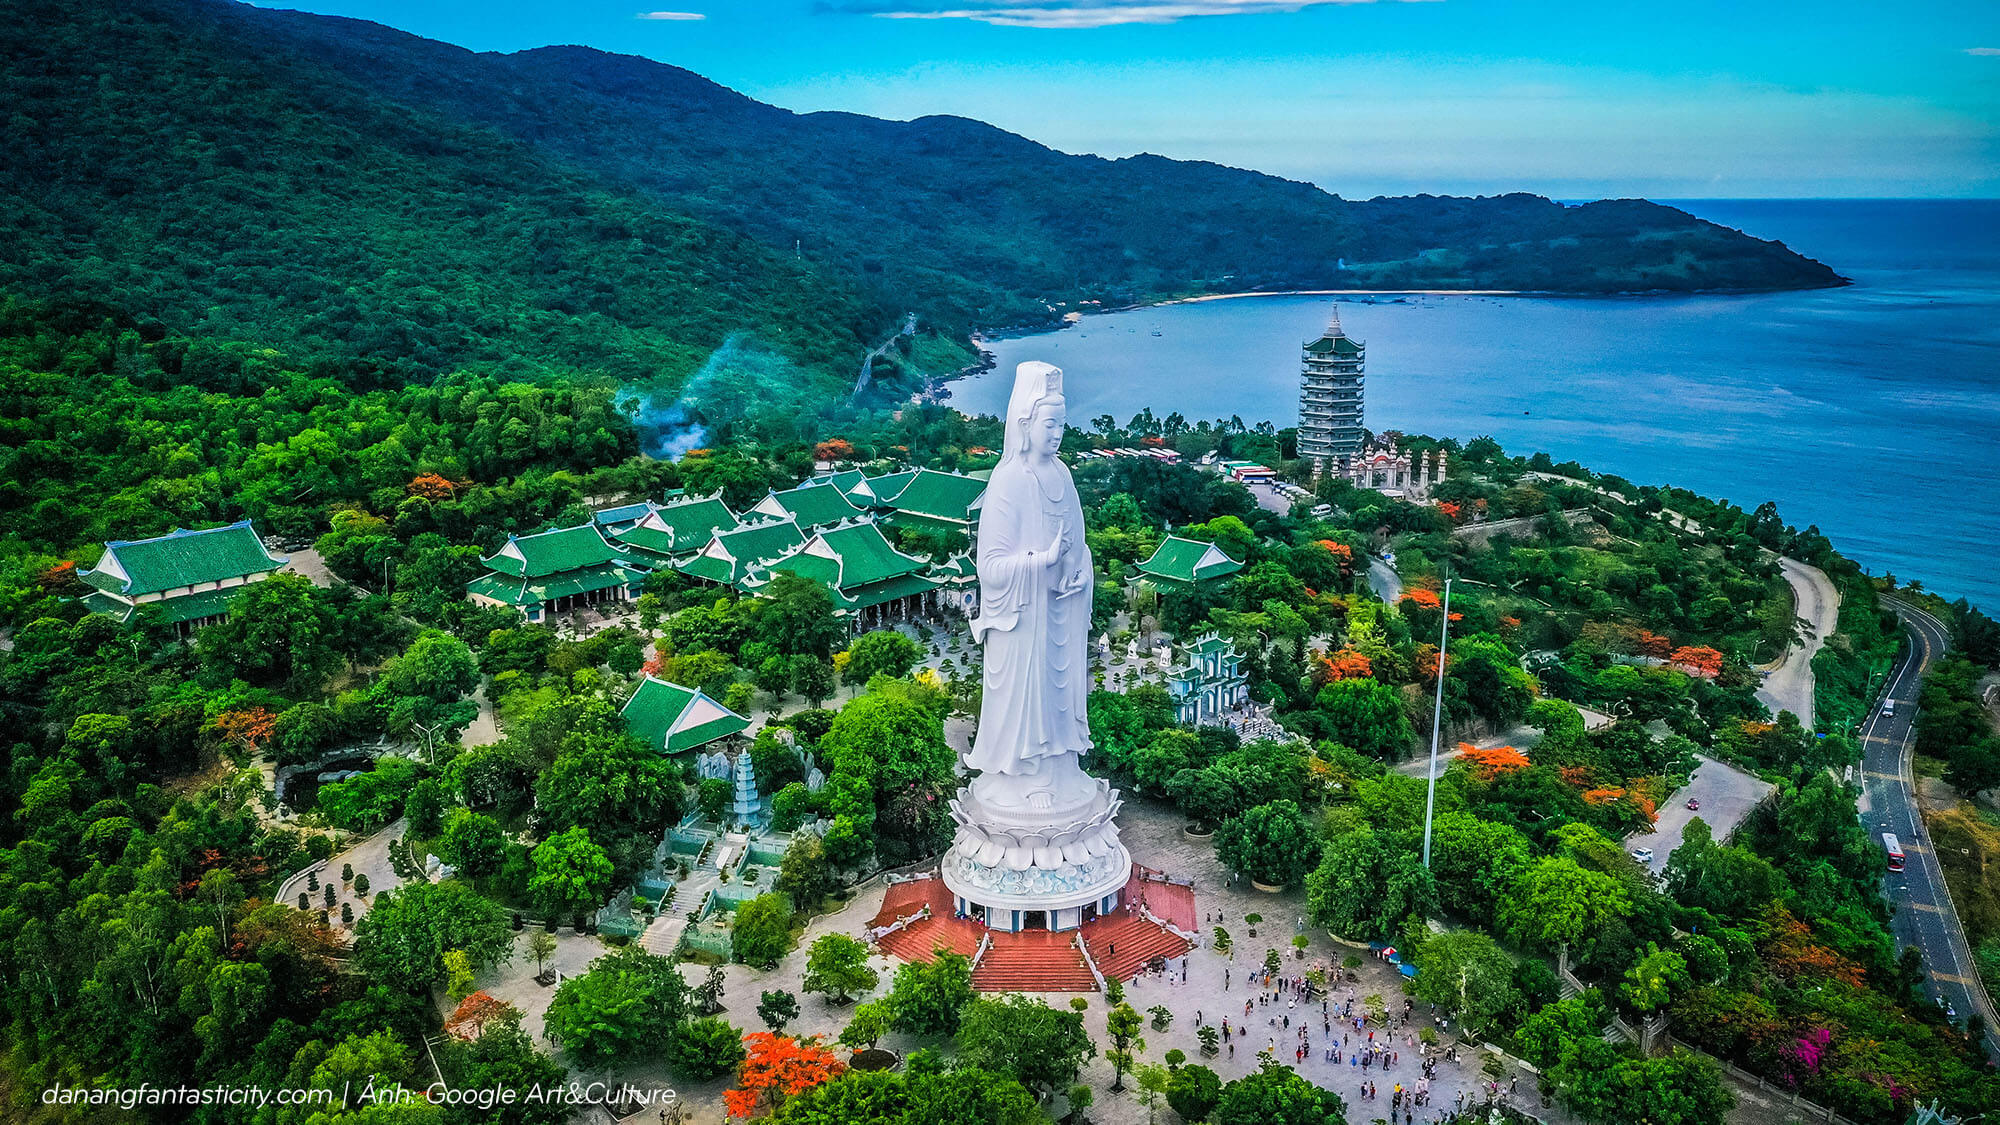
(1122, 943)
(1033, 961)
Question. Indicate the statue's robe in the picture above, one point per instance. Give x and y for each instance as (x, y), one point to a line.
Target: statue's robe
(1037, 675)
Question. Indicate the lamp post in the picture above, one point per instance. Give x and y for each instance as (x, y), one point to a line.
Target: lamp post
(1437, 721)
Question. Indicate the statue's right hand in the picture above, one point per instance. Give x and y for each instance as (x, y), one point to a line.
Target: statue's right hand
(1053, 553)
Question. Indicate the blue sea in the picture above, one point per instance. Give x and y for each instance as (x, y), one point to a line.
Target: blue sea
(1871, 410)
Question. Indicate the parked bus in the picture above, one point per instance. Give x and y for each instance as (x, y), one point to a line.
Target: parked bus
(1895, 849)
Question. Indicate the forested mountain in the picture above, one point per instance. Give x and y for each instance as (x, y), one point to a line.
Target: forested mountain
(404, 207)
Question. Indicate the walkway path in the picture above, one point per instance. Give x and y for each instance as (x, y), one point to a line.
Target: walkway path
(1924, 915)
(1383, 579)
(370, 857)
(1789, 685)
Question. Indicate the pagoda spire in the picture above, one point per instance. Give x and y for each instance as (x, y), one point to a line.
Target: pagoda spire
(1333, 324)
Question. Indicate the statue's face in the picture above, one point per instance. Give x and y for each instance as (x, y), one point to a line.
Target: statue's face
(1045, 428)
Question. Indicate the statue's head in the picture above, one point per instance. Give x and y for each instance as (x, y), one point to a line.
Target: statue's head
(1035, 414)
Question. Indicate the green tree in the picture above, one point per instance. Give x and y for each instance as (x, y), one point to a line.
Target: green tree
(425, 807)
(1556, 902)
(1194, 1092)
(704, 1048)
(884, 652)
(869, 1024)
(763, 930)
(572, 875)
(623, 1009)
(404, 936)
(812, 678)
(1366, 716)
(1273, 844)
(1123, 1027)
(1364, 889)
(437, 666)
(279, 632)
(837, 965)
(927, 998)
(798, 618)
(804, 875)
(777, 1008)
(474, 843)
(1275, 1095)
(1044, 1048)
(1651, 983)
(502, 1057)
(1467, 973)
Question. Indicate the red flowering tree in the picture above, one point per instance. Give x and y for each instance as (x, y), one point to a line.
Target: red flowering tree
(249, 727)
(1453, 512)
(1490, 762)
(435, 488)
(834, 449)
(1698, 661)
(1347, 664)
(776, 1067)
(469, 1019)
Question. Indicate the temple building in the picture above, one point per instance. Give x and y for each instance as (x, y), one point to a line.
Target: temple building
(928, 499)
(729, 556)
(872, 583)
(189, 575)
(665, 534)
(555, 571)
(673, 719)
(1183, 564)
(1330, 395)
(812, 504)
(1388, 470)
(1210, 683)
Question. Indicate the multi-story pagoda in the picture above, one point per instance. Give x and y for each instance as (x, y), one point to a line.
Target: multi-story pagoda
(1330, 397)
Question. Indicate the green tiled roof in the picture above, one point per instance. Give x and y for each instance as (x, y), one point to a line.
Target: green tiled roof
(885, 487)
(533, 591)
(97, 602)
(1334, 345)
(136, 567)
(623, 514)
(671, 718)
(204, 603)
(1188, 560)
(845, 479)
(861, 597)
(552, 552)
(945, 496)
(730, 554)
(679, 528)
(813, 505)
(848, 557)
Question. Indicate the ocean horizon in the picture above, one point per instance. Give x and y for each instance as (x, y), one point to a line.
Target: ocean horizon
(1855, 408)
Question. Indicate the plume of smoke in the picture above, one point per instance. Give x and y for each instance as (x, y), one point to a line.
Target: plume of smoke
(738, 379)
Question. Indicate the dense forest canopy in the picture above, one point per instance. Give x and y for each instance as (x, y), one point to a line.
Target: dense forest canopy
(340, 189)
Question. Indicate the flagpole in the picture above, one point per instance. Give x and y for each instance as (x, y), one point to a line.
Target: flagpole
(1437, 721)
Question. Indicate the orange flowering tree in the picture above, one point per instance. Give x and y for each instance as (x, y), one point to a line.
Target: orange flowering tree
(1492, 761)
(776, 1067)
(1653, 644)
(1347, 664)
(435, 488)
(1697, 661)
(1603, 796)
(834, 449)
(248, 727)
(474, 1012)
(1339, 551)
(1578, 776)
(1453, 512)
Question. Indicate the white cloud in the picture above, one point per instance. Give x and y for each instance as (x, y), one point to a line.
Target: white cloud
(671, 16)
(1982, 50)
(1083, 13)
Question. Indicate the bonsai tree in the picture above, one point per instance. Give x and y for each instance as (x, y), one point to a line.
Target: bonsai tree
(331, 894)
(1162, 1016)
(1210, 1040)
(347, 914)
(1273, 962)
(347, 873)
(1224, 943)
(361, 884)
(312, 879)
(1300, 942)
(542, 944)
(305, 901)
(777, 1008)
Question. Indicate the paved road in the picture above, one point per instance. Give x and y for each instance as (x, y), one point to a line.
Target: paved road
(1815, 600)
(1383, 580)
(1924, 916)
(1727, 795)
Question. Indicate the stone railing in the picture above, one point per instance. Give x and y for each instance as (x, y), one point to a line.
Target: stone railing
(985, 943)
(877, 933)
(1806, 1109)
(1089, 962)
(1146, 912)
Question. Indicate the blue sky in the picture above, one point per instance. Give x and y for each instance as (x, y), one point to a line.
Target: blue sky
(1697, 99)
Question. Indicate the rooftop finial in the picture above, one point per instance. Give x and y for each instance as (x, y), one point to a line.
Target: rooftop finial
(1333, 323)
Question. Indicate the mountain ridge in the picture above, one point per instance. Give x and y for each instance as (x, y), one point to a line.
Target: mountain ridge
(341, 187)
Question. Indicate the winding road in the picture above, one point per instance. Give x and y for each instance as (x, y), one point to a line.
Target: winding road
(1924, 915)
(1788, 686)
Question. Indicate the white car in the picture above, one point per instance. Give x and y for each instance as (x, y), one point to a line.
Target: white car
(1643, 855)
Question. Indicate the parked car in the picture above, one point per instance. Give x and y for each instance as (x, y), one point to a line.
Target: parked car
(1694, 803)
(1643, 855)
